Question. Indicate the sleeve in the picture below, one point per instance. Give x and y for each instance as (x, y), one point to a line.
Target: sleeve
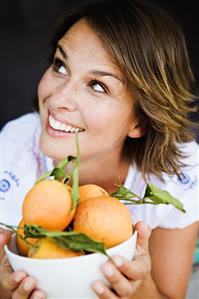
(186, 189)
(17, 166)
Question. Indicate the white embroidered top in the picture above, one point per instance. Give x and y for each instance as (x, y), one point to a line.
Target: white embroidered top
(22, 162)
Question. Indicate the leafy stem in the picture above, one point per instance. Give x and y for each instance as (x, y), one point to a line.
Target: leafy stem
(153, 195)
(58, 172)
(66, 239)
(75, 176)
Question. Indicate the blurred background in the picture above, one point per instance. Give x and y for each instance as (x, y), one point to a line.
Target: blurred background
(25, 29)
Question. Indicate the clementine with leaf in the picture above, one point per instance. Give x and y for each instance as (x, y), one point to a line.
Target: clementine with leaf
(23, 245)
(48, 249)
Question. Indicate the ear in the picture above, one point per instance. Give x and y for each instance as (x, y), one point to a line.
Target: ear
(136, 130)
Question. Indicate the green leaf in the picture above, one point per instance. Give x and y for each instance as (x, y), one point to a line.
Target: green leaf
(159, 196)
(75, 175)
(124, 193)
(80, 242)
(75, 189)
(62, 164)
(153, 195)
(66, 239)
(58, 173)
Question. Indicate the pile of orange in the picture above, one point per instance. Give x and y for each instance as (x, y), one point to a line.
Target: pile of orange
(49, 204)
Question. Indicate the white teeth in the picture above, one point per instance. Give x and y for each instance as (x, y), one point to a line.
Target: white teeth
(67, 128)
(57, 125)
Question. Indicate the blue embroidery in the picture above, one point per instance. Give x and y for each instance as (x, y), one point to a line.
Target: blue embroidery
(192, 184)
(13, 177)
(4, 185)
(183, 179)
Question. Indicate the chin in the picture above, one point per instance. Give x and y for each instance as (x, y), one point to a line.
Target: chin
(55, 150)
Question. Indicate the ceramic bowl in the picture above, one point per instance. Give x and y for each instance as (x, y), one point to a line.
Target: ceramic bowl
(68, 277)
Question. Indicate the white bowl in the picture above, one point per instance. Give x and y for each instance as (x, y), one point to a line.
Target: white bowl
(68, 277)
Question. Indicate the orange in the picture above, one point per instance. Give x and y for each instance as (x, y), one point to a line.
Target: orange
(48, 249)
(48, 204)
(22, 245)
(89, 191)
(103, 219)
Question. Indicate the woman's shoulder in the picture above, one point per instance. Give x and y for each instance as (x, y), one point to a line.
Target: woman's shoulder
(18, 169)
(17, 138)
(184, 187)
(17, 133)
(23, 124)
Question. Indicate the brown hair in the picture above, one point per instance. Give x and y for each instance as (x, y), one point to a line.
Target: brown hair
(150, 49)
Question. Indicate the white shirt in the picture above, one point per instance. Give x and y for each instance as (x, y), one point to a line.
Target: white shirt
(22, 162)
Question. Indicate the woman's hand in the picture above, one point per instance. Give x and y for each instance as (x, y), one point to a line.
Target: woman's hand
(126, 276)
(15, 285)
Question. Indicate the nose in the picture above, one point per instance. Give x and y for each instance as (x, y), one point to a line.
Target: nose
(65, 95)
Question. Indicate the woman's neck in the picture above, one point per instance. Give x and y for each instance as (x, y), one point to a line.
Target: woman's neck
(104, 174)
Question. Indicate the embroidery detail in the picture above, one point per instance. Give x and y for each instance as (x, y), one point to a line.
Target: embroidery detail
(13, 177)
(40, 158)
(192, 184)
(183, 178)
(4, 185)
(189, 182)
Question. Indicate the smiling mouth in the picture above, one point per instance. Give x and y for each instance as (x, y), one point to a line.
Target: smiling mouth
(59, 126)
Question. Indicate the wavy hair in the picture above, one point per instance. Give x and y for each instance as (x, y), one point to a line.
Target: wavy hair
(150, 49)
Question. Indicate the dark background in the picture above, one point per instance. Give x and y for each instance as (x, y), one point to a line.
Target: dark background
(25, 29)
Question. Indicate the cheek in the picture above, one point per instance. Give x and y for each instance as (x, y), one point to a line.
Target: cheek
(100, 116)
(44, 87)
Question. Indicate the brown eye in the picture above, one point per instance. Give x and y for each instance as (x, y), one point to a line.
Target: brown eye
(98, 86)
(59, 66)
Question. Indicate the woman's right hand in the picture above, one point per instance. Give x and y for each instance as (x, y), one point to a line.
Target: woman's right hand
(15, 285)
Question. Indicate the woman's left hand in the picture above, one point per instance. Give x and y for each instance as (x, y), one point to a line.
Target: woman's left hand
(126, 276)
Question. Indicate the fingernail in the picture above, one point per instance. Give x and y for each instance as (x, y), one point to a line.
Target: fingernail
(19, 276)
(38, 295)
(28, 284)
(108, 270)
(98, 287)
(117, 261)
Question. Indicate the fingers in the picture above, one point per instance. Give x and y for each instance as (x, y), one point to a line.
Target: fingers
(133, 270)
(121, 286)
(10, 281)
(123, 275)
(117, 280)
(5, 237)
(38, 295)
(18, 284)
(22, 286)
(25, 288)
(144, 233)
(126, 276)
(103, 291)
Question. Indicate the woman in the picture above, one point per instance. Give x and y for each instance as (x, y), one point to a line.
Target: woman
(120, 77)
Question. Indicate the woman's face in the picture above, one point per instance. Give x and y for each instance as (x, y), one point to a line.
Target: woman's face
(84, 91)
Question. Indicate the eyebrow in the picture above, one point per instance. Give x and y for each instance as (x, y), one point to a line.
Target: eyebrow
(62, 51)
(93, 72)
